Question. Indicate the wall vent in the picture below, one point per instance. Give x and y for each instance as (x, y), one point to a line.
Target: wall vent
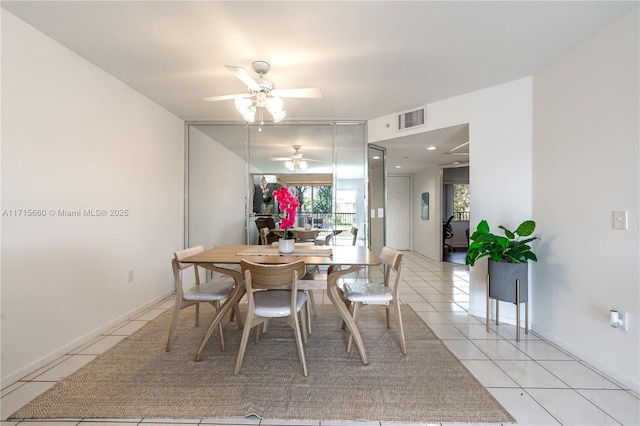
(410, 119)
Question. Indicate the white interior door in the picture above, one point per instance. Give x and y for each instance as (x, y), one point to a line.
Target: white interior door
(399, 212)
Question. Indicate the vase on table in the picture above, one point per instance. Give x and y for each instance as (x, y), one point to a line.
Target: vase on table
(286, 245)
(266, 208)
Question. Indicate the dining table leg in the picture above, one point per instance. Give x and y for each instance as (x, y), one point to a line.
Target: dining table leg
(334, 296)
(229, 304)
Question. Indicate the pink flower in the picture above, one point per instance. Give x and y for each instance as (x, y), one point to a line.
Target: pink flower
(288, 203)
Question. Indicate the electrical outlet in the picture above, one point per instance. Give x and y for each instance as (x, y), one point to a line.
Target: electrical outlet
(130, 275)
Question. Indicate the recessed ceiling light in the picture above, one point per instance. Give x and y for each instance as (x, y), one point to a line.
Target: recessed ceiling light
(398, 167)
(431, 148)
(376, 157)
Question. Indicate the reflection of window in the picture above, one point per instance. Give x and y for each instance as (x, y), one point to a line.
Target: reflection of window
(315, 198)
(346, 201)
(461, 201)
(457, 200)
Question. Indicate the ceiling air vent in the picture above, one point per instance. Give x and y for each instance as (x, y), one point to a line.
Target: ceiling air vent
(409, 119)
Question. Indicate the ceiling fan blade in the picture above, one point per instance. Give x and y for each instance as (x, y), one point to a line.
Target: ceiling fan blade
(223, 97)
(244, 77)
(310, 93)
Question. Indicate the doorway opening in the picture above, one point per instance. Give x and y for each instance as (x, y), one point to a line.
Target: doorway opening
(456, 209)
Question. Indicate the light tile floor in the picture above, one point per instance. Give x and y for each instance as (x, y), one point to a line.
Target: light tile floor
(538, 383)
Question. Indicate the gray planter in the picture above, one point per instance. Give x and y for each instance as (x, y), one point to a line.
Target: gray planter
(502, 286)
(502, 281)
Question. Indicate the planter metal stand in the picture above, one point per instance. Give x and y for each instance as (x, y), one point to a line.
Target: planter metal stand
(510, 285)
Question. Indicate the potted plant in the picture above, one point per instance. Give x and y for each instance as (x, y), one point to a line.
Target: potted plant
(288, 203)
(507, 248)
(509, 257)
(267, 207)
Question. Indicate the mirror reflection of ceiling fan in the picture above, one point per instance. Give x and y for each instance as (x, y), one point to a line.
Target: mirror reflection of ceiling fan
(261, 94)
(295, 161)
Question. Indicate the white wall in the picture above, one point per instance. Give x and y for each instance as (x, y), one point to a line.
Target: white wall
(500, 169)
(217, 193)
(426, 235)
(586, 162)
(73, 137)
(582, 164)
(500, 162)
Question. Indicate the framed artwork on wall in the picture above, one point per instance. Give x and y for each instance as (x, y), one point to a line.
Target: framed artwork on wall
(424, 202)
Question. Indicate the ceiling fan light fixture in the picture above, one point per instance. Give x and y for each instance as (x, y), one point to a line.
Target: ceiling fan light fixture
(242, 104)
(262, 94)
(278, 116)
(249, 115)
(295, 165)
(274, 104)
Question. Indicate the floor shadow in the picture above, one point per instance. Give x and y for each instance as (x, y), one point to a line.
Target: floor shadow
(457, 257)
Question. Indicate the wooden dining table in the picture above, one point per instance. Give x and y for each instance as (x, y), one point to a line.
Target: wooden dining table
(341, 260)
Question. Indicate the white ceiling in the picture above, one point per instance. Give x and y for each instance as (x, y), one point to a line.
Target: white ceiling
(369, 58)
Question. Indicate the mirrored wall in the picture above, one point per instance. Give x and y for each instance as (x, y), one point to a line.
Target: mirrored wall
(324, 163)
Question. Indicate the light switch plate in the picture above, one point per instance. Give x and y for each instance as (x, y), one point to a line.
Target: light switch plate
(620, 220)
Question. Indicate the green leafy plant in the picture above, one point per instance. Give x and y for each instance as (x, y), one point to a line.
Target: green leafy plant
(507, 248)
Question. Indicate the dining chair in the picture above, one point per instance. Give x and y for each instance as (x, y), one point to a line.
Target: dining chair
(268, 300)
(324, 241)
(311, 300)
(360, 293)
(269, 223)
(212, 292)
(302, 236)
(264, 233)
(354, 232)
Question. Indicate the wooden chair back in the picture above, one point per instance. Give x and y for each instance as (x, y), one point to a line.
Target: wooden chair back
(178, 266)
(392, 259)
(305, 235)
(260, 276)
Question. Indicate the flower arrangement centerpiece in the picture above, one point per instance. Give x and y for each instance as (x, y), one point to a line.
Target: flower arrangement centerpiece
(266, 197)
(288, 203)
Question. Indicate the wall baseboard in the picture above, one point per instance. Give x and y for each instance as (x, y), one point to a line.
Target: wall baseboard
(16, 376)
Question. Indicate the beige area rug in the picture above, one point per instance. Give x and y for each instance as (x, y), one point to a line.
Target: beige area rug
(137, 378)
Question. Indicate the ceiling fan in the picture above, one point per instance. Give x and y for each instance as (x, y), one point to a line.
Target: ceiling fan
(295, 161)
(261, 94)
